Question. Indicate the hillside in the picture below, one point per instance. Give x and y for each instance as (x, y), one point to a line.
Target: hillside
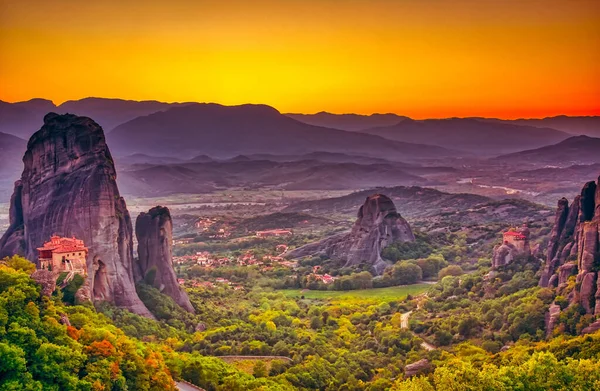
(349, 122)
(330, 157)
(587, 125)
(431, 209)
(411, 202)
(297, 175)
(577, 150)
(226, 131)
(466, 134)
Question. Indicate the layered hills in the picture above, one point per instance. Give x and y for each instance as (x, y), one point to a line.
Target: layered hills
(350, 122)
(471, 135)
(226, 131)
(577, 150)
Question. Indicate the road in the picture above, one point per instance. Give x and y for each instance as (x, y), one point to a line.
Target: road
(404, 325)
(185, 386)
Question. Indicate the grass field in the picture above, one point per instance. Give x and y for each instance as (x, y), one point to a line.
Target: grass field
(383, 294)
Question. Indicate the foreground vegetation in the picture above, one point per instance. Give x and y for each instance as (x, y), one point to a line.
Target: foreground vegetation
(346, 341)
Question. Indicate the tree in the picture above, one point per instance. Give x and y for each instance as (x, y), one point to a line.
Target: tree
(19, 263)
(452, 270)
(260, 369)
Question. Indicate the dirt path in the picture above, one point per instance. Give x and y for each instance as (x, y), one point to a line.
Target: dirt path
(404, 325)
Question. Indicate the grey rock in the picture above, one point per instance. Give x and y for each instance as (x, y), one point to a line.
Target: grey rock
(378, 224)
(417, 368)
(154, 232)
(46, 279)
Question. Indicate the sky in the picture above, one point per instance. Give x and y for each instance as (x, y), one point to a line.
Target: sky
(420, 58)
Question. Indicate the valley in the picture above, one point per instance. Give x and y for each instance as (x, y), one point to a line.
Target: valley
(309, 270)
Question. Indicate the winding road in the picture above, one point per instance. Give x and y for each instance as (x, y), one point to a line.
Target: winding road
(404, 325)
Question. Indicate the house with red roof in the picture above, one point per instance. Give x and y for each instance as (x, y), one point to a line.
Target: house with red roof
(63, 255)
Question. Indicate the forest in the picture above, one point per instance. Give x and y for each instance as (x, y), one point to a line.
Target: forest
(485, 338)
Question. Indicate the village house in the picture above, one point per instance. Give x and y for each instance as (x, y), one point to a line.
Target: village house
(273, 232)
(204, 223)
(324, 278)
(63, 255)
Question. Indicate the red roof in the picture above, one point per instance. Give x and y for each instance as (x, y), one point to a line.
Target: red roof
(516, 234)
(59, 245)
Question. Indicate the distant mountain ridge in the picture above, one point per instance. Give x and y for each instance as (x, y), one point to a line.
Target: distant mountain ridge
(577, 125)
(471, 135)
(349, 122)
(576, 150)
(226, 131)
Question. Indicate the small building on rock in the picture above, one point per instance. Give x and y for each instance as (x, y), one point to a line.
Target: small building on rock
(63, 255)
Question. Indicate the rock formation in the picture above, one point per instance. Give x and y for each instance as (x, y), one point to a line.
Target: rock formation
(515, 243)
(154, 232)
(420, 367)
(378, 225)
(46, 279)
(574, 250)
(68, 188)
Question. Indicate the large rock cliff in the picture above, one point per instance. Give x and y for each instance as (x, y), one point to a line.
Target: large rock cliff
(378, 225)
(574, 250)
(68, 188)
(154, 232)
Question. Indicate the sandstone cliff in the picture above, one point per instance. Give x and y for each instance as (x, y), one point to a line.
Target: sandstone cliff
(574, 250)
(68, 188)
(154, 232)
(378, 224)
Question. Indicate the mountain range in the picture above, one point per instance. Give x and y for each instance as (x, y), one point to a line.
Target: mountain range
(225, 131)
(471, 135)
(577, 150)
(482, 136)
(349, 122)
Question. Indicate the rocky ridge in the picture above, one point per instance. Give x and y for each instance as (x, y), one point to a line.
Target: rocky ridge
(378, 224)
(154, 232)
(574, 250)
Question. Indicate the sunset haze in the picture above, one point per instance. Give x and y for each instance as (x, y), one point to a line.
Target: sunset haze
(422, 59)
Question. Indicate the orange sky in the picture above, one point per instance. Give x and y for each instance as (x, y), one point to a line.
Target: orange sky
(421, 58)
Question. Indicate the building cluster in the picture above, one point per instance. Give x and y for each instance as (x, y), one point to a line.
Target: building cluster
(324, 278)
(211, 285)
(61, 254)
(207, 260)
(273, 233)
(205, 223)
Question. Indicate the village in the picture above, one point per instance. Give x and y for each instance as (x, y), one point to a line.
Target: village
(211, 261)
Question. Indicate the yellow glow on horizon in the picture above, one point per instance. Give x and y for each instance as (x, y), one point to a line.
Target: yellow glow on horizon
(418, 58)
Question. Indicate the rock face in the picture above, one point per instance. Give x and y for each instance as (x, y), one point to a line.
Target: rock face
(417, 368)
(378, 225)
(46, 279)
(154, 232)
(68, 188)
(574, 249)
(515, 243)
